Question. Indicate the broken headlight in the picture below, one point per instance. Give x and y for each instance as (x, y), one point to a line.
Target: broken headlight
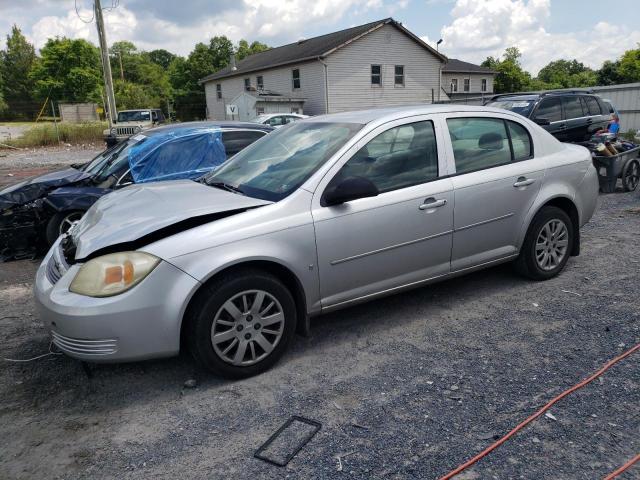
(113, 274)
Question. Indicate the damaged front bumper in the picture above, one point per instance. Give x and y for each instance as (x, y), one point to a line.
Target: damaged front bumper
(138, 324)
(22, 231)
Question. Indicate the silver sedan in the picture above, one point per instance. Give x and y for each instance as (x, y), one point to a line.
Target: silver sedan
(319, 215)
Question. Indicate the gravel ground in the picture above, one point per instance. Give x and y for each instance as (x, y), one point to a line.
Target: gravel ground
(406, 387)
(17, 165)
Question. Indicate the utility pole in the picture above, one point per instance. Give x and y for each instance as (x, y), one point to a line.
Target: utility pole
(121, 69)
(106, 65)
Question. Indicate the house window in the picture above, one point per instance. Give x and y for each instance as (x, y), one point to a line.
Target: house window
(376, 75)
(218, 91)
(247, 84)
(466, 84)
(259, 110)
(454, 84)
(399, 75)
(484, 85)
(259, 82)
(295, 110)
(295, 76)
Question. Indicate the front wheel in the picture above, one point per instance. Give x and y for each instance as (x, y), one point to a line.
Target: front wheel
(60, 224)
(631, 176)
(547, 246)
(241, 324)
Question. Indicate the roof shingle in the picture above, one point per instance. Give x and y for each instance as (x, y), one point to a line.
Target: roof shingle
(308, 49)
(458, 66)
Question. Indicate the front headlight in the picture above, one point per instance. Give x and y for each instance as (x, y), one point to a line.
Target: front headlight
(112, 274)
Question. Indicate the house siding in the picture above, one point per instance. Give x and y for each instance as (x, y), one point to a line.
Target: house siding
(475, 82)
(349, 72)
(279, 80)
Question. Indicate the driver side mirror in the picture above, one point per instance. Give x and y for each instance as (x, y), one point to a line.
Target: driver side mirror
(542, 121)
(348, 189)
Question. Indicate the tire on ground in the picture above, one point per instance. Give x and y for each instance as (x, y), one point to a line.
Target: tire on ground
(526, 263)
(201, 314)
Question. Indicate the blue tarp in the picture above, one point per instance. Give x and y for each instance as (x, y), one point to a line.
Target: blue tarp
(177, 154)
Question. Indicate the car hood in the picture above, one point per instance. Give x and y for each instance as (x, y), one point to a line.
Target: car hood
(34, 188)
(141, 214)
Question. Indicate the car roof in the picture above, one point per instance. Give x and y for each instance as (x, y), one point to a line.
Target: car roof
(386, 114)
(209, 125)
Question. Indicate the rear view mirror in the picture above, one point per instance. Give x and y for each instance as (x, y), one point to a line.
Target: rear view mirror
(351, 188)
(542, 121)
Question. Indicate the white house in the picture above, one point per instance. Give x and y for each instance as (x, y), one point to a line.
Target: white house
(463, 79)
(377, 64)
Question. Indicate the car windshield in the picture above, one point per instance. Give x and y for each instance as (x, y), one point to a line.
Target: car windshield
(523, 107)
(274, 166)
(111, 161)
(135, 116)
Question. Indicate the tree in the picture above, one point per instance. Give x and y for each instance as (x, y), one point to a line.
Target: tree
(130, 95)
(244, 49)
(220, 49)
(17, 60)
(68, 70)
(161, 57)
(568, 74)
(629, 66)
(510, 77)
(609, 74)
(3, 104)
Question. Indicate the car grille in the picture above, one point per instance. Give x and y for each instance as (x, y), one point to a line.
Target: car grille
(84, 347)
(122, 131)
(56, 266)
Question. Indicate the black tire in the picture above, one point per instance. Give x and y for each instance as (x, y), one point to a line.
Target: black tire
(631, 176)
(53, 230)
(526, 263)
(209, 301)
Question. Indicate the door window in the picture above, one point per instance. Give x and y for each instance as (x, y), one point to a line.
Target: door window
(550, 108)
(594, 106)
(520, 141)
(236, 140)
(573, 108)
(276, 121)
(479, 143)
(397, 158)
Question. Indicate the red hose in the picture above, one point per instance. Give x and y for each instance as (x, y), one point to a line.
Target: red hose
(530, 419)
(624, 467)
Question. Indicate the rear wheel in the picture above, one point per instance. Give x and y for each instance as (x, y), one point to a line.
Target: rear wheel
(60, 224)
(547, 246)
(631, 176)
(242, 324)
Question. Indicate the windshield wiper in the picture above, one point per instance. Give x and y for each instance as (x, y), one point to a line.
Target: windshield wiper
(226, 186)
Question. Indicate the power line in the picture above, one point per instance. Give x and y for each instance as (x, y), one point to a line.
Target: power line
(80, 16)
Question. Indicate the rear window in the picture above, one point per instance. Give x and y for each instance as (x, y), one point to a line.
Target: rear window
(523, 107)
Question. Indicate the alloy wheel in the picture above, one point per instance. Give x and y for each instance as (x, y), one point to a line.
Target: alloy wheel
(552, 244)
(247, 327)
(68, 221)
(632, 175)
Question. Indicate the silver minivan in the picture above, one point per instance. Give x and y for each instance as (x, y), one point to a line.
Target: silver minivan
(319, 215)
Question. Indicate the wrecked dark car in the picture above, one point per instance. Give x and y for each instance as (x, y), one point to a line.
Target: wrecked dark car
(35, 212)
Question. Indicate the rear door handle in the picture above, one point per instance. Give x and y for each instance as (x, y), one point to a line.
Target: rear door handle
(523, 182)
(430, 203)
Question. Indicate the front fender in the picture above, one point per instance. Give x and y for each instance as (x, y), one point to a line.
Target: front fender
(69, 198)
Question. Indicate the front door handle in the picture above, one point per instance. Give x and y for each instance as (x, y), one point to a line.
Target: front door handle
(523, 182)
(430, 203)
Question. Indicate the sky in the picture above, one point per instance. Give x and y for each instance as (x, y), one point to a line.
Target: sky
(543, 30)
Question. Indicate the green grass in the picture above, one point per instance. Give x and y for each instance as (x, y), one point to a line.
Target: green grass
(45, 134)
(629, 135)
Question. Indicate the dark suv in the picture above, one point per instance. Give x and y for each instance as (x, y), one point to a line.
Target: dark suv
(570, 116)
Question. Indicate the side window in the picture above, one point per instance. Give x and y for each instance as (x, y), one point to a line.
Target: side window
(397, 158)
(479, 143)
(594, 106)
(520, 141)
(572, 107)
(236, 140)
(276, 121)
(550, 108)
